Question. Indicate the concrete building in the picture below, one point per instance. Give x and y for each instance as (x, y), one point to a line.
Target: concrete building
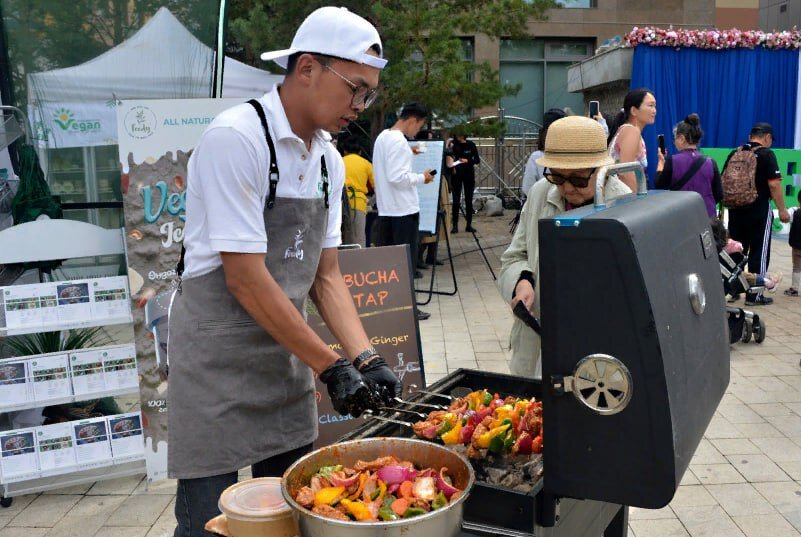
(573, 33)
(779, 14)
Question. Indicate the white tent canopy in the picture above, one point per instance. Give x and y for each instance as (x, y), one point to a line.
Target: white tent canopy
(75, 106)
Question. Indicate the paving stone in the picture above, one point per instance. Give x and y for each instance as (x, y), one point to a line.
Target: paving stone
(773, 525)
(87, 516)
(793, 469)
(117, 531)
(707, 521)
(779, 449)
(636, 513)
(10, 531)
(717, 474)
(123, 485)
(739, 414)
(692, 495)
(706, 453)
(45, 511)
(735, 446)
(165, 486)
(659, 528)
(771, 409)
(758, 468)
(740, 499)
(139, 510)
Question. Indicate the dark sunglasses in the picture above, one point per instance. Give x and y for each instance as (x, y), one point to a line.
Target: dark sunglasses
(578, 182)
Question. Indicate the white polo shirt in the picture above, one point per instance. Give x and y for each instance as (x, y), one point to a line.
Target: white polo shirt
(228, 183)
(395, 183)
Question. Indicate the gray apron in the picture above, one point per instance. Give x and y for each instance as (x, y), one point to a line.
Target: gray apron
(235, 395)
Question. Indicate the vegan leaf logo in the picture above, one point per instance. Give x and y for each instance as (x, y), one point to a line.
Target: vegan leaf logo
(64, 118)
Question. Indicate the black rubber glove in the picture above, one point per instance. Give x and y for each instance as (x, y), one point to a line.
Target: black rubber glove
(347, 389)
(384, 381)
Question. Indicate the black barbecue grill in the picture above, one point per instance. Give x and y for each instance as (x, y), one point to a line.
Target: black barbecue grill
(635, 361)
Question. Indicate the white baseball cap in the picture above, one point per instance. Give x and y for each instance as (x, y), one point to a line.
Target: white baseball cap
(333, 31)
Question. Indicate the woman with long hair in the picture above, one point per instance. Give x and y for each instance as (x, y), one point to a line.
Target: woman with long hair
(625, 142)
(688, 169)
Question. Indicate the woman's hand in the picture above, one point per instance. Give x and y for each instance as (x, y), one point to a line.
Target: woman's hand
(524, 293)
(660, 160)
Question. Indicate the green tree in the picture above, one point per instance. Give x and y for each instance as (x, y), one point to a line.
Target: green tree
(422, 40)
(51, 34)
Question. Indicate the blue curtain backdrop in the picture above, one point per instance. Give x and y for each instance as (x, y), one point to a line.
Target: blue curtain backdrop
(730, 89)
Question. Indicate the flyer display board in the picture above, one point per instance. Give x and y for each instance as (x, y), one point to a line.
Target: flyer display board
(378, 279)
(65, 304)
(429, 159)
(61, 448)
(156, 138)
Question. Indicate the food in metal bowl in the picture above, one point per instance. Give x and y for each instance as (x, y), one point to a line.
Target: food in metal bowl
(486, 423)
(382, 489)
(400, 456)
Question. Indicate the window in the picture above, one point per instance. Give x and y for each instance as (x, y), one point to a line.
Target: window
(577, 4)
(783, 8)
(539, 66)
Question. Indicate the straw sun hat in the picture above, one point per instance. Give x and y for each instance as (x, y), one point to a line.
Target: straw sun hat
(575, 142)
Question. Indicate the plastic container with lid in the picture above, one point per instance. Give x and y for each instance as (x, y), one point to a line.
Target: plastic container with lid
(255, 508)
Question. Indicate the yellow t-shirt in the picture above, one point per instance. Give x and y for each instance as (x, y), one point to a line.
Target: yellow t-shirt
(358, 176)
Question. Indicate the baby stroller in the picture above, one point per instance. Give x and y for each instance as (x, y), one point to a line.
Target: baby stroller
(743, 324)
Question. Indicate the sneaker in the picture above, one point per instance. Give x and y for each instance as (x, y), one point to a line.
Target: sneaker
(792, 291)
(422, 315)
(454, 229)
(470, 229)
(759, 300)
(734, 298)
(417, 274)
(773, 278)
(423, 266)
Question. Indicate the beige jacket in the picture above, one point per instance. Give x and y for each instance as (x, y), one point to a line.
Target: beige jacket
(522, 254)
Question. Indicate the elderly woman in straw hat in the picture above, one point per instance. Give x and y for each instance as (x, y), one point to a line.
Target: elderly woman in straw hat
(575, 150)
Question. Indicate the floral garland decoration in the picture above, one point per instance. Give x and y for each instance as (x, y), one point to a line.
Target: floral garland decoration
(713, 39)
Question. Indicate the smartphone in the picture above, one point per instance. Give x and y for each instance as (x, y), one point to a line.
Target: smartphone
(661, 139)
(433, 172)
(595, 108)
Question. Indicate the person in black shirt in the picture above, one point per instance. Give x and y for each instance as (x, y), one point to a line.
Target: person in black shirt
(463, 174)
(752, 225)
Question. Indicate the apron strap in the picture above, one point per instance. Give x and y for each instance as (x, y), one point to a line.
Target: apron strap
(273, 164)
(179, 268)
(324, 173)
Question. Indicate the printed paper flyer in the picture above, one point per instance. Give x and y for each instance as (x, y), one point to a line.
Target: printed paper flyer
(14, 385)
(18, 460)
(56, 448)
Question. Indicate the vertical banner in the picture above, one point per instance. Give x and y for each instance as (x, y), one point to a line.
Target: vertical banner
(156, 138)
(379, 282)
(429, 157)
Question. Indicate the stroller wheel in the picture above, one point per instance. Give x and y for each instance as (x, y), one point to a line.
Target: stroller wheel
(747, 331)
(759, 329)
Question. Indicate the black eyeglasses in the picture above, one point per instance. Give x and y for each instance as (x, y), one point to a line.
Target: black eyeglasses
(578, 182)
(362, 95)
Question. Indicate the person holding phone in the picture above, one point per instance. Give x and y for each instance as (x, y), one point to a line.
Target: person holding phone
(463, 175)
(688, 169)
(595, 113)
(396, 184)
(626, 143)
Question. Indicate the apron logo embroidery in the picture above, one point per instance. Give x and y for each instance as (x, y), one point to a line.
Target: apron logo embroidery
(296, 251)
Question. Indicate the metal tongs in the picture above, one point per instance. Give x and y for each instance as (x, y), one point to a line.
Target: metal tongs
(521, 312)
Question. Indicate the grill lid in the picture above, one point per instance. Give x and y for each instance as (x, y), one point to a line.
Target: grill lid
(635, 352)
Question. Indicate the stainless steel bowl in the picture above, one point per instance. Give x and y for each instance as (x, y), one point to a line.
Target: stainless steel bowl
(444, 522)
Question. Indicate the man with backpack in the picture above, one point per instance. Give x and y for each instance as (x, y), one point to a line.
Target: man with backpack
(751, 178)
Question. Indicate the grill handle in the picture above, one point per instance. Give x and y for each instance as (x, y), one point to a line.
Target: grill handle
(486, 529)
(617, 169)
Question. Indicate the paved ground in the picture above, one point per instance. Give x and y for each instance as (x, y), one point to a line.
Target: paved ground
(745, 479)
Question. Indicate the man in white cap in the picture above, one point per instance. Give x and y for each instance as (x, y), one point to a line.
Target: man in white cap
(263, 220)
